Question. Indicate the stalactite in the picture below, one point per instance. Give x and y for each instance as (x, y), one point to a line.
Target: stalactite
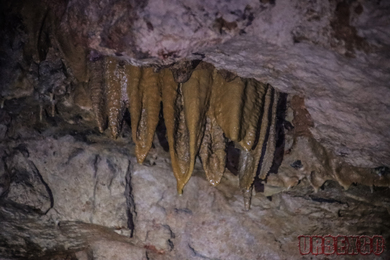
(227, 100)
(144, 100)
(262, 151)
(258, 160)
(114, 93)
(201, 114)
(245, 110)
(196, 97)
(267, 156)
(177, 133)
(212, 151)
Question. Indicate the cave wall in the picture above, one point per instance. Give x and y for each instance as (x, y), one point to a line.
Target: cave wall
(77, 194)
(331, 57)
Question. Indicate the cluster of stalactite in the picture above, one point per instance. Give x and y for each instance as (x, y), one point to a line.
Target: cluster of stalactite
(203, 108)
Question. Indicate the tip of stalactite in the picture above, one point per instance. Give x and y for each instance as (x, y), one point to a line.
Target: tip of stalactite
(247, 194)
(180, 187)
(114, 134)
(179, 191)
(213, 182)
(140, 154)
(140, 160)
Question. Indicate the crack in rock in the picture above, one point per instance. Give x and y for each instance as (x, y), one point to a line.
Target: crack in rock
(130, 203)
(197, 254)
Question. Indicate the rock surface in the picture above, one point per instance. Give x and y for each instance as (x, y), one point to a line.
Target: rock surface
(100, 196)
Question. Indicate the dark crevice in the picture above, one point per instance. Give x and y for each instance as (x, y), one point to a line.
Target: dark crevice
(130, 203)
(196, 254)
(266, 142)
(258, 184)
(96, 162)
(126, 125)
(232, 158)
(281, 123)
(170, 245)
(161, 132)
(324, 200)
(260, 120)
(183, 210)
(111, 166)
(22, 148)
(5, 179)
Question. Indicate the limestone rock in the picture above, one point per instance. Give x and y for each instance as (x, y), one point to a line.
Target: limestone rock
(84, 185)
(210, 222)
(99, 190)
(27, 187)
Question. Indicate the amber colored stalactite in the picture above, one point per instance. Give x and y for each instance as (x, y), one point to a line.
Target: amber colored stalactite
(177, 131)
(113, 90)
(144, 100)
(196, 99)
(253, 109)
(227, 100)
(133, 76)
(212, 151)
(253, 147)
(255, 139)
(201, 115)
(269, 144)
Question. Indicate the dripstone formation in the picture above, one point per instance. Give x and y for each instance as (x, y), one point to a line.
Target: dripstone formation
(202, 109)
